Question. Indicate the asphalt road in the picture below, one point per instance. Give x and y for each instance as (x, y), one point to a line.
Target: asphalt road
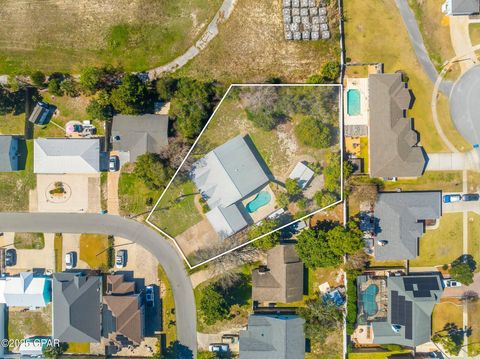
(136, 232)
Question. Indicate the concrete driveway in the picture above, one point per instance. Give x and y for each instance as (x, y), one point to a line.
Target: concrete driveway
(71, 243)
(458, 291)
(135, 231)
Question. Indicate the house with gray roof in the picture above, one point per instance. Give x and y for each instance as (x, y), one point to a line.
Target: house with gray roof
(400, 222)
(66, 155)
(273, 336)
(410, 303)
(76, 311)
(10, 153)
(281, 280)
(461, 7)
(393, 143)
(224, 177)
(135, 135)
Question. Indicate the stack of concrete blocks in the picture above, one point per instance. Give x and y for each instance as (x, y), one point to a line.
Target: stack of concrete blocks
(305, 20)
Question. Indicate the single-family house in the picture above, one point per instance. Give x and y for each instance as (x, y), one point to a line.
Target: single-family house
(135, 135)
(76, 307)
(461, 7)
(273, 336)
(10, 153)
(400, 222)
(409, 305)
(123, 314)
(225, 176)
(66, 155)
(42, 113)
(281, 280)
(393, 143)
(25, 290)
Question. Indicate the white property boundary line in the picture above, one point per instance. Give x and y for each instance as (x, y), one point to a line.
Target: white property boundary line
(340, 134)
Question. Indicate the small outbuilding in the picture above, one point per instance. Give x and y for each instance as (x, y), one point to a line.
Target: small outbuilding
(302, 173)
(42, 113)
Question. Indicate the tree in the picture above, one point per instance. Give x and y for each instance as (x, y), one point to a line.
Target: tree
(332, 173)
(269, 241)
(324, 199)
(469, 296)
(213, 305)
(54, 351)
(38, 78)
(191, 106)
(451, 338)
(6, 101)
(330, 71)
(98, 111)
(175, 350)
(312, 132)
(153, 170)
(166, 87)
(292, 187)
(54, 87)
(69, 87)
(282, 200)
(462, 273)
(357, 260)
(90, 78)
(131, 97)
(321, 318)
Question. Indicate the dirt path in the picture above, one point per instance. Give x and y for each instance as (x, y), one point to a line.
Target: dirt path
(112, 193)
(212, 30)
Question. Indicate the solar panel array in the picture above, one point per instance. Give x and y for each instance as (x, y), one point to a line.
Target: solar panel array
(401, 313)
(421, 286)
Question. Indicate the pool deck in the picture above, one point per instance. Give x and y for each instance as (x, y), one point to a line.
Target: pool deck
(360, 84)
(263, 211)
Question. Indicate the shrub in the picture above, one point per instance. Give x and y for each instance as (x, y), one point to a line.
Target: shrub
(69, 87)
(324, 199)
(131, 97)
(312, 132)
(213, 305)
(282, 200)
(38, 78)
(262, 119)
(292, 187)
(269, 241)
(462, 273)
(54, 87)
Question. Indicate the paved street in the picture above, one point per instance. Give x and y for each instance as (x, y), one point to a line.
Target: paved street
(137, 232)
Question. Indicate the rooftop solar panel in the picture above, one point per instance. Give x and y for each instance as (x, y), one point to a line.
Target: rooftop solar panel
(408, 320)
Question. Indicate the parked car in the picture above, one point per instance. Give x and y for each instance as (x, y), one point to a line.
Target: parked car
(470, 197)
(149, 296)
(121, 258)
(70, 260)
(10, 257)
(449, 198)
(113, 163)
(450, 283)
(220, 347)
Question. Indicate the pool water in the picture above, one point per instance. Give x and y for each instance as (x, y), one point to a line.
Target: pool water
(353, 102)
(262, 199)
(368, 298)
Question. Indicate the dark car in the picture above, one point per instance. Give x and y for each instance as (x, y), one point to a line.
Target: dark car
(149, 296)
(10, 257)
(471, 197)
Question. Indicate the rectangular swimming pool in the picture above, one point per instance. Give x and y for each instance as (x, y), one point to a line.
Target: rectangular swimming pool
(353, 102)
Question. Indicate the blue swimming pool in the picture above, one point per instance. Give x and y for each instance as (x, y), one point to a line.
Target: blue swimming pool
(261, 199)
(369, 300)
(353, 102)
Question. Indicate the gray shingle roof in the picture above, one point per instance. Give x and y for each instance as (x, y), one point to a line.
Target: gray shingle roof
(76, 308)
(392, 141)
(465, 7)
(399, 217)
(411, 300)
(139, 134)
(9, 153)
(226, 221)
(273, 337)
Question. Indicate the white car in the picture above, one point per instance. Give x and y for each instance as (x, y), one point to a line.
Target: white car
(220, 347)
(70, 260)
(450, 283)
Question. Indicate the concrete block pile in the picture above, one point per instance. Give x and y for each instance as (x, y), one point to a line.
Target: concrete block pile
(305, 20)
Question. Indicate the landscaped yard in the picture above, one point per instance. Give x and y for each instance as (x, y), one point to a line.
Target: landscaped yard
(25, 240)
(134, 34)
(443, 245)
(375, 33)
(134, 196)
(25, 324)
(379, 355)
(94, 250)
(57, 247)
(474, 237)
(446, 312)
(251, 47)
(15, 186)
(448, 181)
(168, 308)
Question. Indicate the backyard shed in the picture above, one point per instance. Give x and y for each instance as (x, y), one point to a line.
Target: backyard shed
(302, 173)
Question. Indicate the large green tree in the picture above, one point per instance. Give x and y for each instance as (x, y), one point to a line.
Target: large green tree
(269, 241)
(321, 318)
(153, 170)
(312, 132)
(38, 78)
(213, 305)
(131, 97)
(462, 273)
(6, 101)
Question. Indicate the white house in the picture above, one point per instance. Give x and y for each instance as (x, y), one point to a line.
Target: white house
(25, 291)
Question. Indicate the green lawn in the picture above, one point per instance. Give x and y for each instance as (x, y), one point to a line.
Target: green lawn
(134, 195)
(168, 308)
(448, 128)
(443, 245)
(474, 33)
(364, 153)
(11, 124)
(94, 250)
(134, 34)
(375, 33)
(176, 212)
(448, 181)
(15, 186)
(22, 325)
(474, 324)
(474, 237)
(25, 240)
(57, 247)
(369, 355)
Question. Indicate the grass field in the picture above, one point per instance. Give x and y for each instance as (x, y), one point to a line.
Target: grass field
(30, 323)
(93, 250)
(474, 340)
(375, 33)
(446, 312)
(474, 33)
(449, 181)
(24, 240)
(474, 237)
(168, 308)
(67, 35)
(250, 47)
(443, 245)
(133, 195)
(381, 355)
(57, 247)
(448, 128)
(15, 186)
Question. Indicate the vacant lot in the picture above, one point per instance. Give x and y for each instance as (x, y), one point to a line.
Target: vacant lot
(94, 250)
(29, 240)
(443, 245)
(66, 35)
(251, 47)
(448, 181)
(375, 33)
(134, 196)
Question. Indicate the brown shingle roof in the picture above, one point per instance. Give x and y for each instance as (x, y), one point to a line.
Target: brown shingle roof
(283, 281)
(116, 285)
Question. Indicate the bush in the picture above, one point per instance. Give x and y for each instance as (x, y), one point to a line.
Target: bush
(330, 71)
(54, 87)
(97, 111)
(166, 87)
(38, 78)
(324, 199)
(292, 187)
(267, 242)
(69, 87)
(7, 102)
(153, 171)
(213, 305)
(282, 200)
(462, 273)
(351, 318)
(312, 132)
(392, 347)
(262, 119)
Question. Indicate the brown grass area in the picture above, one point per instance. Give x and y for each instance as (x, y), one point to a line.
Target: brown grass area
(251, 47)
(446, 312)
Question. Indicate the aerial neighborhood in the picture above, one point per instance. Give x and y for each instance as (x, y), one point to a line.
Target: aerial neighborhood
(240, 179)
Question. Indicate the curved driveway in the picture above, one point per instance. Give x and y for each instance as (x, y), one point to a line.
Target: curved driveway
(129, 229)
